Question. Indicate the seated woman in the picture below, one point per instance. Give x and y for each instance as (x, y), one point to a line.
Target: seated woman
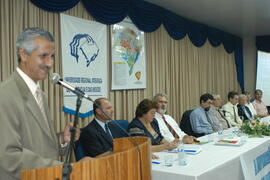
(144, 124)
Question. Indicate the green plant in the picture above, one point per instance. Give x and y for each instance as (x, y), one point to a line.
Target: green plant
(255, 128)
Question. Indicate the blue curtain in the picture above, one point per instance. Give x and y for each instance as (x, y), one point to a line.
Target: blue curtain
(148, 18)
(55, 5)
(107, 11)
(263, 43)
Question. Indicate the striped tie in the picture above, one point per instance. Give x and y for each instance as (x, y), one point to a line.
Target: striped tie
(107, 131)
(39, 98)
(175, 135)
(234, 115)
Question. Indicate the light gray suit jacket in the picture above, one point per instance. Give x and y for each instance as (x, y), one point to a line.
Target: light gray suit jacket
(26, 140)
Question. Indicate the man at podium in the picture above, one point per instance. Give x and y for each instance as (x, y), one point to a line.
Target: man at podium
(28, 137)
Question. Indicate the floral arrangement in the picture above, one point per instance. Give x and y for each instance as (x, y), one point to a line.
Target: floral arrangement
(254, 128)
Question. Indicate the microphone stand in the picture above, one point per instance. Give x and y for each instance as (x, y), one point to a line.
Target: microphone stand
(67, 168)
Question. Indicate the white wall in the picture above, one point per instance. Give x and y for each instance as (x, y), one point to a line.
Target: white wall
(249, 54)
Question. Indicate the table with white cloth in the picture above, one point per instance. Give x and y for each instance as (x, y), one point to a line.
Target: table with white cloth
(218, 162)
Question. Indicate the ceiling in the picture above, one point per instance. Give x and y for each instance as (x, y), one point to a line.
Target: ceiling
(244, 18)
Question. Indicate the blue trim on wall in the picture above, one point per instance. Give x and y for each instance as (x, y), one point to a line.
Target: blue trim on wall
(81, 115)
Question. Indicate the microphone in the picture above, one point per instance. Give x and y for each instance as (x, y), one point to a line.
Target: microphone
(56, 79)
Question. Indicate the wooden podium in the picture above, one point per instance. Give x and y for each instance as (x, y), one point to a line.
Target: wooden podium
(127, 162)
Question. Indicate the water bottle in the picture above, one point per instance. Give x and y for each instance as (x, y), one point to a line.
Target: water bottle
(182, 157)
(220, 133)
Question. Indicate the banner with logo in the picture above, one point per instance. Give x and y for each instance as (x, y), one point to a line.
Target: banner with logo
(128, 56)
(256, 163)
(84, 61)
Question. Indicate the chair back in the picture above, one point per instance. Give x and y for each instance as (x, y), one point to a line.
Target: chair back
(124, 125)
(185, 124)
(79, 151)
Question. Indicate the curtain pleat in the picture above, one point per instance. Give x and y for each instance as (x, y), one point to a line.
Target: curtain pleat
(175, 67)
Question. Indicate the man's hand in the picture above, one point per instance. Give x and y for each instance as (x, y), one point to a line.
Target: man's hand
(155, 156)
(172, 145)
(176, 141)
(67, 133)
(189, 139)
(195, 139)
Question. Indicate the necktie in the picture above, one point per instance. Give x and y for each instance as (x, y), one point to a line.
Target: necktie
(175, 135)
(39, 98)
(224, 118)
(234, 114)
(246, 112)
(208, 119)
(107, 131)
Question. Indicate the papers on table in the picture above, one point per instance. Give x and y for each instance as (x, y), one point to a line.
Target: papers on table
(229, 142)
(188, 148)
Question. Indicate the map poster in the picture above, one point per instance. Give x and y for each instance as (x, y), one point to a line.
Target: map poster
(84, 54)
(128, 57)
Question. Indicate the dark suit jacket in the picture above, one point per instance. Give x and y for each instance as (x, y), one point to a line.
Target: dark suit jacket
(242, 113)
(94, 139)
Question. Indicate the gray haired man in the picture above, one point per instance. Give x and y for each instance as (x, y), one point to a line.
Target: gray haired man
(28, 137)
(219, 113)
(167, 125)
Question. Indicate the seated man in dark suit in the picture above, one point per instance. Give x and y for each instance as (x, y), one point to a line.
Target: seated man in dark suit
(243, 110)
(98, 135)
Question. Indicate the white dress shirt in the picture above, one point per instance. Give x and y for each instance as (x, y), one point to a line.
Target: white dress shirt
(102, 124)
(251, 108)
(164, 128)
(29, 82)
(229, 114)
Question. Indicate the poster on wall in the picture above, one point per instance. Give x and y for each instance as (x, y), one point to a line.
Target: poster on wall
(128, 56)
(84, 61)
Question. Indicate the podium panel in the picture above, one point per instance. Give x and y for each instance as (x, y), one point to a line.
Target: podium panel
(130, 160)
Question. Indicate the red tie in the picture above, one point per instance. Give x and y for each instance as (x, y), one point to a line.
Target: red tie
(175, 135)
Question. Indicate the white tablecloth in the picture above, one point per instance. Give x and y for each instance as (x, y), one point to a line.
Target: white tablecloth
(212, 163)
